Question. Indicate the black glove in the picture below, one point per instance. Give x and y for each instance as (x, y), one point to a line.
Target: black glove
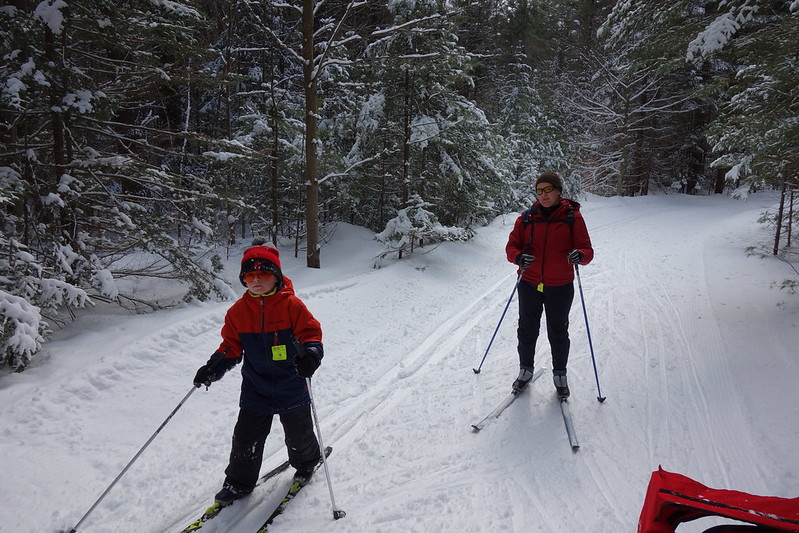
(308, 359)
(575, 257)
(211, 371)
(524, 260)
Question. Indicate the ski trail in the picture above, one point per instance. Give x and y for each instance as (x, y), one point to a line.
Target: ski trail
(396, 393)
(113, 387)
(665, 316)
(430, 351)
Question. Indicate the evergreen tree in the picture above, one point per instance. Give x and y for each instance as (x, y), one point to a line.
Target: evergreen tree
(422, 137)
(759, 43)
(759, 46)
(257, 102)
(95, 152)
(651, 38)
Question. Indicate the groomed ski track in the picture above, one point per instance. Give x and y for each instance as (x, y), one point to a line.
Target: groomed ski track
(396, 393)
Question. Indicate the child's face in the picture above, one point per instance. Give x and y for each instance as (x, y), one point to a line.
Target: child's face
(260, 282)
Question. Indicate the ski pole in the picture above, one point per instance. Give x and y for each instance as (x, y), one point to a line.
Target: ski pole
(157, 431)
(588, 330)
(337, 513)
(515, 286)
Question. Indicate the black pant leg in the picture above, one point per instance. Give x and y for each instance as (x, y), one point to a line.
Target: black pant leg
(247, 451)
(301, 442)
(531, 306)
(557, 304)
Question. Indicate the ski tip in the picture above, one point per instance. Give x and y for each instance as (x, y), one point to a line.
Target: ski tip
(575, 447)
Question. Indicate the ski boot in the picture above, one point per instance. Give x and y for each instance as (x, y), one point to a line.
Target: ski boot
(229, 494)
(525, 375)
(561, 385)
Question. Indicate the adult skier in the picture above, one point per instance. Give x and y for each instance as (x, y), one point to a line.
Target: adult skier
(546, 242)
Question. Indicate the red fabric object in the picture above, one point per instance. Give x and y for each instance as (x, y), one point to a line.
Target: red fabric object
(672, 499)
(262, 252)
(282, 311)
(263, 330)
(261, 258)
(551, 242)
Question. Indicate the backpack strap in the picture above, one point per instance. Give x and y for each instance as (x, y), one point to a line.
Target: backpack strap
(527, 218)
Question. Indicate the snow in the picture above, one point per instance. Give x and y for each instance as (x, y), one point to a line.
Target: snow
(222, 156)
(81, 100)
(49, 12)
(423, 128)
(23, 319)
(53, 199)
(104, 280)
(696, 355)
(720, 31)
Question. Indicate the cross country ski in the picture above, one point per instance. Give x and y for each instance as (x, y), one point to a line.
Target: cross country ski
(567, 420)
(504, 404)
(215, 508)
(564, 409)
(295, 488)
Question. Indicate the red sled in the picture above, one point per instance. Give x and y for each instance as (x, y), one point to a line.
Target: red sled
(672, 499)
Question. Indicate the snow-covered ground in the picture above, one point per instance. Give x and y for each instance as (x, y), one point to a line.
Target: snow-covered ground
(696, 355)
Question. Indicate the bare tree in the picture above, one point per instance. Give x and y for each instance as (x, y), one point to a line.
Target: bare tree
(626, 115)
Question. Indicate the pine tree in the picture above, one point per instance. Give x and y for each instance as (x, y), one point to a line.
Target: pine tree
(421, 136)
(96, 146)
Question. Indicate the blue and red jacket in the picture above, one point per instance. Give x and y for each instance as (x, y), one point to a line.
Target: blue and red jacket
(550, 239)
(263, 330)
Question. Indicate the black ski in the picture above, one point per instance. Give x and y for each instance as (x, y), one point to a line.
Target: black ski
(505, 403)
(295, 488)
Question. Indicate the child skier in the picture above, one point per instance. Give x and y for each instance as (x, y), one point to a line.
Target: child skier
(281, 344)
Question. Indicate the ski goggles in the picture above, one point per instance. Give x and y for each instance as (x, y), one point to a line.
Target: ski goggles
(263, 275)
(545, 190)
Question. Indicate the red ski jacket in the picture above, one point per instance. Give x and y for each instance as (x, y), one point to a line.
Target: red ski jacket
(550, 239)
(262, 329)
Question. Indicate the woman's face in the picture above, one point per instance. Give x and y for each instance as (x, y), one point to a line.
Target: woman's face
(548, 195)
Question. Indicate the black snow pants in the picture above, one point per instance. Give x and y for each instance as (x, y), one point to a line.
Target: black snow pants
(555, 301)
(249, 437)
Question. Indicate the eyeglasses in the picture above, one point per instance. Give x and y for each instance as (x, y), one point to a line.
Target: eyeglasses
(249, 277)
(545, 190)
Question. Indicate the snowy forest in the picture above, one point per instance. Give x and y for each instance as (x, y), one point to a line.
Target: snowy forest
(143, 139)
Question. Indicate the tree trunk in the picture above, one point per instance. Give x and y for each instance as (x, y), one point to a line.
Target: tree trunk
(311, 133)
(720, 181)
(790, 218)
(406, 141)
(624, 167)
(406, 146)
(228, 122)
(66, 224)
(274, 169)
(780, 213)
